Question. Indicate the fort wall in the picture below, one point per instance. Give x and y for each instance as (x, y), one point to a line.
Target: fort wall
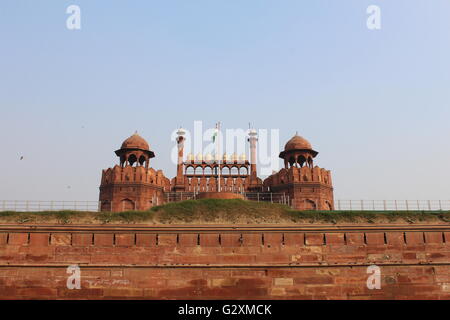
(222, 262)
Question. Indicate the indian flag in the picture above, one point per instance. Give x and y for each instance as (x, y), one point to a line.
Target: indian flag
(216, 131)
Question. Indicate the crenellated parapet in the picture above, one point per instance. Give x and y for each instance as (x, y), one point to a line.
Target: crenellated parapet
(304, 175)
(128, 174)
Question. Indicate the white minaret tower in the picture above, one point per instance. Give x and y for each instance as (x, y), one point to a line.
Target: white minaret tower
(180, 142)
(252, 139)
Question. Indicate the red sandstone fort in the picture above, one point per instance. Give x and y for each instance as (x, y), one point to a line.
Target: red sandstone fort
(224, 261)
(134, 185)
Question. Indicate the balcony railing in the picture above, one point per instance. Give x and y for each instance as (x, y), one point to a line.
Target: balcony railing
(392, 205)
(345, 205)
(51, 205)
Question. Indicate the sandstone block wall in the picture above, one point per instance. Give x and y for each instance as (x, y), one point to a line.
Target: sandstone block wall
(217, 262)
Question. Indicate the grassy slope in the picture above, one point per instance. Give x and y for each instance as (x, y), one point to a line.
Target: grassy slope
(224, 212)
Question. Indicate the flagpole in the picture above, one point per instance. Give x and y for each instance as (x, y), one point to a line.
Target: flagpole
(218, 156)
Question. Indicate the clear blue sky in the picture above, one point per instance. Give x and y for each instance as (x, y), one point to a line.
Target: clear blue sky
(375, 104)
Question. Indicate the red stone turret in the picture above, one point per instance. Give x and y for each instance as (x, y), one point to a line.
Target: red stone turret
(309, 187)
(132, 185)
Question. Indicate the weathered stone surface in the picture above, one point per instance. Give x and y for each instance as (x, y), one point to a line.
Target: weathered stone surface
(232, 264)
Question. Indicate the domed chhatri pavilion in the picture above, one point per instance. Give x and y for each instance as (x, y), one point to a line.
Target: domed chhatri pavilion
(134, 185)
(309, 186)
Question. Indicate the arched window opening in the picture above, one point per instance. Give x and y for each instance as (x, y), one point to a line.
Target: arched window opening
(106, 206)
(301, 161)
(291, 162)
(309, 205)
(132, 159)
(243, 171)
(208, 171)
(127, 205)
(225, 171)
(199, 171)
(190, 170)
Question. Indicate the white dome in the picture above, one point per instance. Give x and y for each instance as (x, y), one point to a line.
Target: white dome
(181, 132)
